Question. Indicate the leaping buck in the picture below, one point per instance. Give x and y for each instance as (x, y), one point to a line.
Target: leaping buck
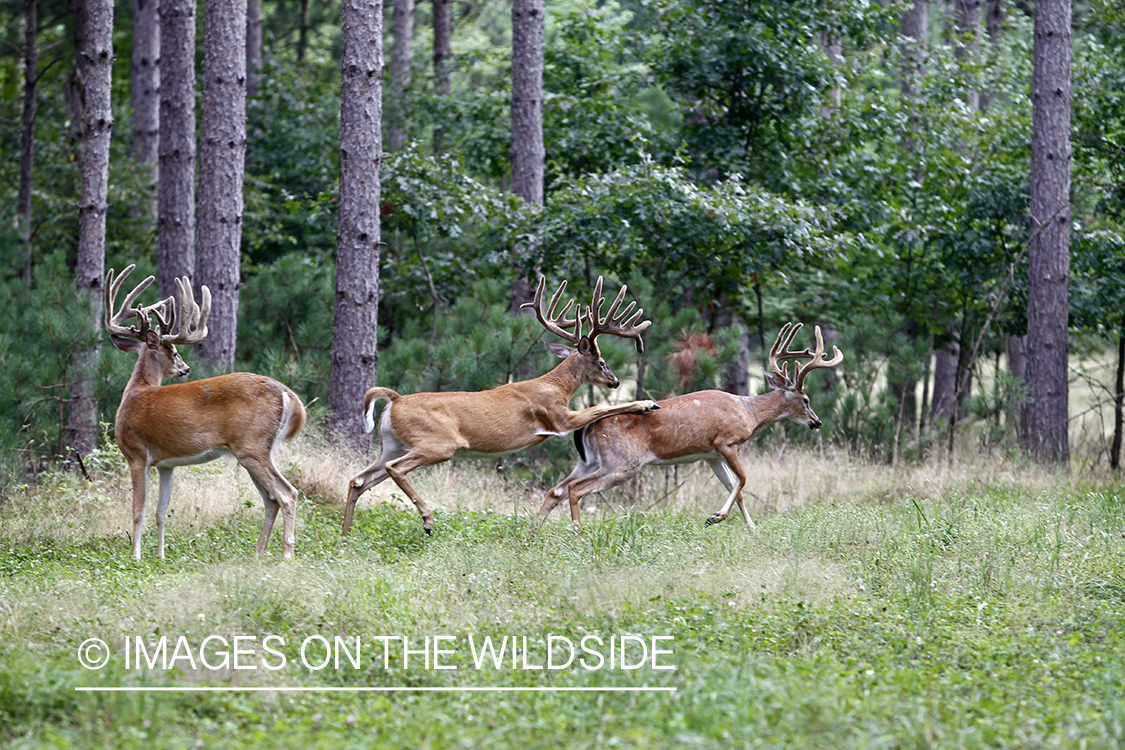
(421, 429)
(240, 414)
(703, 426)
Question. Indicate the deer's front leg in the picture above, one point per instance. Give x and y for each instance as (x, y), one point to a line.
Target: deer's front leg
(138, 470)
(165, 474)
(578, 419)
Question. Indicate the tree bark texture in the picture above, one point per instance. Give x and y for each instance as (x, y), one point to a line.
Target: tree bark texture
(97, 124)
(916, 26)
(1017, 368)
(994, 18)
(443, 45)
(253, 46)
(443, 55)
(400, 73)
(222, 160)
(1118, 401)
(968, 29)
(144, 96)
(27, 136)
(1049, 258)
(354, 334)
(528, 154)
(947, 361)
(175, 221)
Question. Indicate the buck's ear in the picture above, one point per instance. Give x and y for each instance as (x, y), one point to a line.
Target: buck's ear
(560, 350)
(777, 381)
(126, 345)
(152, 340)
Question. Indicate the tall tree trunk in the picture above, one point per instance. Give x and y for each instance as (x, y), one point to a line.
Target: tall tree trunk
(994, 14)
(97, 123)
(1118, 401)
(303, 32)
(1017, 368)
(400, 73)
(916, 26)
(528, 155)
(354, 335)
(222, 162)
(945, 378)
(253, 46)
(736, 376)
(834, 49)
(968, 44)
(27, 135)
(144, 96)
(994, 17)
(443, 54)
(175, 212)
(1049, 259)
(903, 385)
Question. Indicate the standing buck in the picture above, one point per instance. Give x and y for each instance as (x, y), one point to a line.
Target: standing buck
(421, 429)
(703, 426)
(241, 414)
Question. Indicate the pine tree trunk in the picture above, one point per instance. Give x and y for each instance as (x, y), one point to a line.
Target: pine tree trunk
(1017, 368)
(968, 29)
(97, 124)
(528, 154)
(303, 32)
(175, 213)
(222, 161)
(443, 54)
(27, 136)
(1049, 259)
(1118, 401)
(253, 46)
(144, 96)
(354, 334)
(400, 73)
(736, 377)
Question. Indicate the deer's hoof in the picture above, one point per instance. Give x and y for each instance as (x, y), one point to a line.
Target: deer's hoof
(714, 519)
(429, 530)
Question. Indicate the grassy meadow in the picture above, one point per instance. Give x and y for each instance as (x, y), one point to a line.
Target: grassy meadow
(974, 606)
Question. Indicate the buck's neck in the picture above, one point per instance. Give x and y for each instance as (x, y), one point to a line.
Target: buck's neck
(567, 377)
(766, 408)
(146, 373)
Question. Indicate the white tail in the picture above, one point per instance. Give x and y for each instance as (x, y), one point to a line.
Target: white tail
(421, 429)
(241, 414)
(703, 426)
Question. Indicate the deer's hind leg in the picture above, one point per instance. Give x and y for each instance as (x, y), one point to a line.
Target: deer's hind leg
(392, 449)
(277, 494)
(728, 469)
(400, 467)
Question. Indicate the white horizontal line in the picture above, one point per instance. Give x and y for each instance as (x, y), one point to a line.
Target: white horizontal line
(398, 689)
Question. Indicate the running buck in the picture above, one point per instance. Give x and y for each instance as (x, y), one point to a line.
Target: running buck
(703, 426)
(421, 429)
(240, 414)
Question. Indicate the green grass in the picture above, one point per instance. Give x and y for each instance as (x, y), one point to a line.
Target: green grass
(986, 619)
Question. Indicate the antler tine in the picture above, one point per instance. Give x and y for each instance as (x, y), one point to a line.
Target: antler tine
(115, 319)
(781, 351)
(623, 324)
(165, 312)
(818, 361)
(556, 324)
(193, 318)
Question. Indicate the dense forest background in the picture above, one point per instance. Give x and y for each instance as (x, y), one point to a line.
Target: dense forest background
(738, 164)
